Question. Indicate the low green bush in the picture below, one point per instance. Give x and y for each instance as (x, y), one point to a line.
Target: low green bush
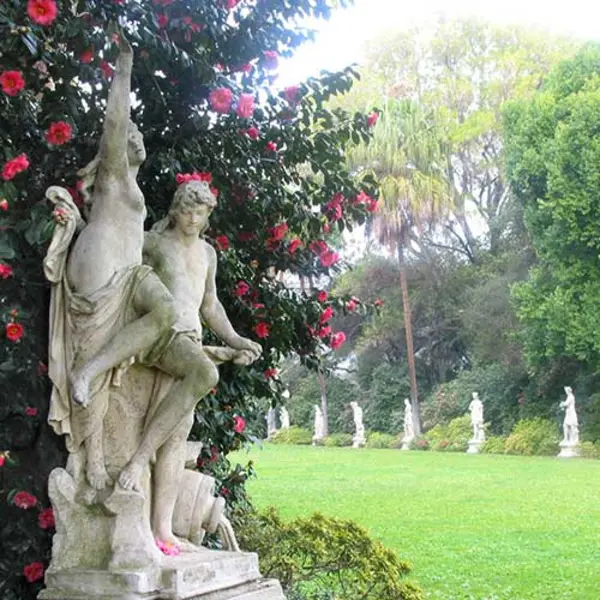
(590, 450)
(533, 437)
(452, 437)
(494, 445)
(293, 435)
(420, 443)
(324, 558)
(376, 439)
(338, 440)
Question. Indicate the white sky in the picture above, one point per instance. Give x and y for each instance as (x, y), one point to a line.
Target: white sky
(340, 40)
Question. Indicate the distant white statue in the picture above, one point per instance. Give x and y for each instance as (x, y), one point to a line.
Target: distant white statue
(409, 426)
(476, 409)
(271, 423)
(319, 433)
(359, 440)
(570, 443)
(284, 417)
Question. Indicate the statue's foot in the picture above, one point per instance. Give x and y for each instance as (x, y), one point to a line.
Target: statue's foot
(129, 478)
(80, 388)
(97, 476)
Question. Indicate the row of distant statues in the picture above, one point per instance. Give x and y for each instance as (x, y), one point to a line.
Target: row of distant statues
(569, 445)
(271, 418)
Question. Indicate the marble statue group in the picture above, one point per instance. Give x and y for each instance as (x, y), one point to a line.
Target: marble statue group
(128, 367)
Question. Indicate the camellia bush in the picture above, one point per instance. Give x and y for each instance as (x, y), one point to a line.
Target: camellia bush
(203, 80)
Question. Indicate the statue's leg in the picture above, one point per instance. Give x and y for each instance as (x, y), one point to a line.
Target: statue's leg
(185, 360)
(166, 475)
(152, 300)
(95, 470)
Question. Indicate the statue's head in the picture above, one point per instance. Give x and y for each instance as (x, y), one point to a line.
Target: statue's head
(407, 403)
(475, 396)
(568, 390)
(136, 151)
(353, 404)
(191, 208)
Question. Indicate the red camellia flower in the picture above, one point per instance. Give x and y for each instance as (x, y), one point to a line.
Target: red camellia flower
(31, 411)
(252, 133)
(2, 460)
(270, 373)
(329, 258)
(24, 500)
(324, 332)
(333, 209)
(372, 118)
(245, 106)
(4, 204)
(106, 69)
(290, 93)
(225, 492)
(262, 329)
(33, 571)
(271, 147)
(326, 315)
(220, 100)
(12, 82)
(87, 56)
(337, 340)
(294, 245)
(241, 289)
(271, 59)
(229, 4)
(46, 519)
(14, 331)
(162, 20)
(277, 233)
(5, 271)
(238, 424)
(379, 302)
(195, 176)
(322, 296)
(14, 166)
(222, 242)
(59, 133)
(351, 305)
(43, 12)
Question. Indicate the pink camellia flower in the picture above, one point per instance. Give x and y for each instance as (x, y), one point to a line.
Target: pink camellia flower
(229, 4)
(245, 106)
(12, 82)
(324, 331)
(326, 315)
(270, 373)
(318, 247)
(379, 302)
(277, 233)
(195, 176)
(351, 305)
(271, 59)
(2, 460)
(33, 571)
(220, 100)
(24, 500)
(162, 21)
(329, 258)
(239, 424)
(252, 133)
(333, 209)
(167, 548)
(337, 340)
(31, 411)
(294, 245)
(42, 12)
(106, 69)
(46, 519)
(371, 205)
(222, 242)
(5, 271)
(4, 204)
(271, 147)
(241, 289)
(262, 329)
(59, 133)
(225, 492)
(372, 118)
(14, 331)
(322, 296)
(290, 93)
(15, 166)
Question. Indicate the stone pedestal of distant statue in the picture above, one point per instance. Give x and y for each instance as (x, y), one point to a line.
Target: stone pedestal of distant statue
(569, 445)
(409, 426)
(478, 439)
(358, 440)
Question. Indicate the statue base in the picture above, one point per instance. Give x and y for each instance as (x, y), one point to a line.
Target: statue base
(406, 442)
(475, 446)
(203, 575)
(569, 450)
(359, 442)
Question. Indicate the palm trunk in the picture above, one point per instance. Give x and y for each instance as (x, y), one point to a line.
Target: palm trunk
(324, 404)
(410, 353)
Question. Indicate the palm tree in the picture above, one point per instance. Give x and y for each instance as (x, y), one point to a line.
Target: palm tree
(406, 156)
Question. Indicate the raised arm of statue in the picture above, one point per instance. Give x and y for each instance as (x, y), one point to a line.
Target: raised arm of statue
(113, 146)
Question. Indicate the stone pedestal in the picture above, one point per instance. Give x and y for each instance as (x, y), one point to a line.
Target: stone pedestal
(358, 442)
(406, 443)
(569, 450)
(475, 446)
(203, 575)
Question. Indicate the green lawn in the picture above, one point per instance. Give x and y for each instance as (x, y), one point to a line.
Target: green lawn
(473, 527)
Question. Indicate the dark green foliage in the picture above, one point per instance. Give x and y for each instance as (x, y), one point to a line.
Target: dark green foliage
(336, 440)
(494, 445)
(325, 557)
(293, 435)
(452, 437)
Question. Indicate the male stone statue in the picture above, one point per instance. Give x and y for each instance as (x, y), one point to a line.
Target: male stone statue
(409, 426)
(284, 417)
(319, 425)
(271, 422)
(570, 442)
(476, 409)
(358, 441)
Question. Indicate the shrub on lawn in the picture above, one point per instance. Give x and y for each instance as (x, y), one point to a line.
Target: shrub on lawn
(533, 436)
(377, 439)
(319, 558)
(420, 443)
(590, 450)
(494, 445)
(338, 440)
(293, 435)
(452, 437)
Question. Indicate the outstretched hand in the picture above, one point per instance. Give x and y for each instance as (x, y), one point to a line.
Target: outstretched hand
(250, 348)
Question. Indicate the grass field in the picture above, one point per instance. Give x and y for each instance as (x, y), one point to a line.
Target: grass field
(473, 527)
